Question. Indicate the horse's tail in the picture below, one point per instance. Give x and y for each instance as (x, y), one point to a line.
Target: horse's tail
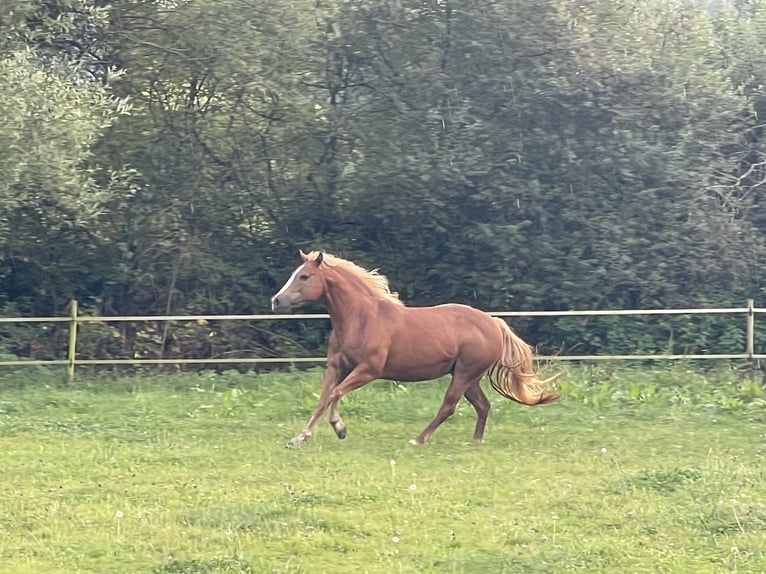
(513, 375)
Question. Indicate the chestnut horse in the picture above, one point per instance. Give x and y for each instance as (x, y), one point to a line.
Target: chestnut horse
(374, 336)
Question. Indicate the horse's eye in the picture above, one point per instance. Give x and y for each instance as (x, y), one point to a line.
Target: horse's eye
(303, 277)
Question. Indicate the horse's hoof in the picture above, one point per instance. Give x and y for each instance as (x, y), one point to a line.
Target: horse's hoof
(415, 442)
(340, 429)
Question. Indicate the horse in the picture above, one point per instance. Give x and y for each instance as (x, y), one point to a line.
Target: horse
(375, 336)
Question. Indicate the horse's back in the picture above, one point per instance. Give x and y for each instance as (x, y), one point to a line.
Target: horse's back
(454, 316)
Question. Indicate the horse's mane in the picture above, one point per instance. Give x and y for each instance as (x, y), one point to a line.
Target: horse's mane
(374, 280)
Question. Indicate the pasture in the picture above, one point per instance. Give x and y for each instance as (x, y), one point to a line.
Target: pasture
(656, 469)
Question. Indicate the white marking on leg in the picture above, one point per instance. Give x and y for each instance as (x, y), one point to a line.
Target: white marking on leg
(299, 439)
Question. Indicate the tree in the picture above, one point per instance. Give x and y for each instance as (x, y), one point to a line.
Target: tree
(52, 194)
(502, 154)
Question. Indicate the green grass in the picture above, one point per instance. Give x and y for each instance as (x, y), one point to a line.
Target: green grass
(645, 470)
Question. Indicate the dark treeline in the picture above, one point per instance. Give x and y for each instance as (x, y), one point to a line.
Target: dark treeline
(171, 156)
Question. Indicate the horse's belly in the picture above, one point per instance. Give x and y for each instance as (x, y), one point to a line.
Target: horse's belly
(420, 372)
(419, 362)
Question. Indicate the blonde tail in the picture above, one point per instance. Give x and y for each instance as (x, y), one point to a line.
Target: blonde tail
(513, 375)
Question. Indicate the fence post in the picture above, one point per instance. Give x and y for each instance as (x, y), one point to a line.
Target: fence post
(72, 350)
(750, 350)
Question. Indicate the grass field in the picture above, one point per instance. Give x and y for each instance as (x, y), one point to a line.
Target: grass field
(646, 470)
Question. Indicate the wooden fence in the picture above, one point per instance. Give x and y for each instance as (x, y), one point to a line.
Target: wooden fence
(74, 319)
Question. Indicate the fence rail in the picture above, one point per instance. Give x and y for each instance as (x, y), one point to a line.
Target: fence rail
(74, 320)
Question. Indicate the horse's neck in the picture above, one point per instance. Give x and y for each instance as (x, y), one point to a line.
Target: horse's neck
(349, 303)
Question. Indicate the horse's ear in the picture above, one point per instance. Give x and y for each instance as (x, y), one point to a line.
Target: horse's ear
(318, 259)
(304, 256)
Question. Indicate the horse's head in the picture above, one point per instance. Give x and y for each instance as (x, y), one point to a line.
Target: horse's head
(305, 284)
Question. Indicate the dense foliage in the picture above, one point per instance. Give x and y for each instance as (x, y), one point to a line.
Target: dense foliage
(171, 156)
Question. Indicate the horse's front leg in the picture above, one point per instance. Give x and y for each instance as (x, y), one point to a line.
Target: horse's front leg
(336, 422)
(332, 392)
(359, 376)
(331, 378)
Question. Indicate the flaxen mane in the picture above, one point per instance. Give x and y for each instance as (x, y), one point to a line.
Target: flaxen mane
(373, 279)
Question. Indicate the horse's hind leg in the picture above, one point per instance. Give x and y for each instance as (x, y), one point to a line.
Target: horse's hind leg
(456, 389)
(480, 402)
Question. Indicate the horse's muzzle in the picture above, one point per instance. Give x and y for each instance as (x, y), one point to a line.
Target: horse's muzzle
(280, 306)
